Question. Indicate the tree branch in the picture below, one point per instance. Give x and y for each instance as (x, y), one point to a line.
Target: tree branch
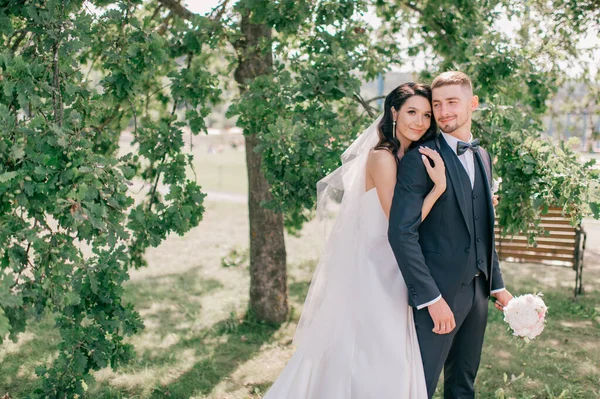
(184, 13)
(18, 41)
(57, 100)
(156, 11)
(134, 116)
(109, 118)
(365, 104)
(155, 187)
(56, 94)
(165, 25)
(375, 99)
(479, 126)
(177, 9)
(413, 7)
(222, 7)
(87, 75)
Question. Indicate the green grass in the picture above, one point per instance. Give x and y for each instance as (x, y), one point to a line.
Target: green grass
(197, 341)
(224, 171)
(198, 344)
(562, 361)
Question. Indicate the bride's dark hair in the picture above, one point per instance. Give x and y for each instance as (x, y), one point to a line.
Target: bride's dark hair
(397, 98)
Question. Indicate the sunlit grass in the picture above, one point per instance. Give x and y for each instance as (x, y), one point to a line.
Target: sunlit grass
(198, 342)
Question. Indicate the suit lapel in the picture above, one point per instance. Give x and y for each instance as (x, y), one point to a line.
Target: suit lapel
(452, 165)
(488, 194)
(485, 162)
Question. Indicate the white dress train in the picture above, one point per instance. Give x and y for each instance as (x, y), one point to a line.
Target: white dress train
(375, 353)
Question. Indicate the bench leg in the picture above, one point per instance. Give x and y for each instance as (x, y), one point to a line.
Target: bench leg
(580, 276)
(578, 281)
(580, 273)
(579, 252)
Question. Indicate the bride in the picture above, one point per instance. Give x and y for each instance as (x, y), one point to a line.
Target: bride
(356, 337)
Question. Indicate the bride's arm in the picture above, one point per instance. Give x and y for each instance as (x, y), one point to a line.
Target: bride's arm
(381, 171)
(437, 174)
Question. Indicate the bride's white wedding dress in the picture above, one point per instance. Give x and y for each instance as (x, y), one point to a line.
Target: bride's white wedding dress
(361, 343)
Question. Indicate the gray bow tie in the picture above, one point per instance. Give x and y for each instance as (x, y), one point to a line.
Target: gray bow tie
(462, 147)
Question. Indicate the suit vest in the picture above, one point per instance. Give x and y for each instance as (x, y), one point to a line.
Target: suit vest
(478, 221)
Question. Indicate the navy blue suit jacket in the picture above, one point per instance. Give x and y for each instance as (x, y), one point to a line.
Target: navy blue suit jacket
(433, 253)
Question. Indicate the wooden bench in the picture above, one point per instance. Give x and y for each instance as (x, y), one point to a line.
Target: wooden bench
(562, 245)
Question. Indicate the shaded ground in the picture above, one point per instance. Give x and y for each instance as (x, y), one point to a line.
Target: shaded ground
(198, 345)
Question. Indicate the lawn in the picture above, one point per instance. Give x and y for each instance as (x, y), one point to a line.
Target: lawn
(198, 343)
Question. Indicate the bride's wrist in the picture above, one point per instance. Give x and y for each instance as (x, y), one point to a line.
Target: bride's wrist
(438, 190)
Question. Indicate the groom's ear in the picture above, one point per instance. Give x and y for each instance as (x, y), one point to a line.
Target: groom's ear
(474, 103)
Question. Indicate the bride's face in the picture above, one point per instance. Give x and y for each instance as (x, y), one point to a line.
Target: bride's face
(412, 119)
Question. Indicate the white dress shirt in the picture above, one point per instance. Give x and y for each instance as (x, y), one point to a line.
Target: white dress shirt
(467, 160)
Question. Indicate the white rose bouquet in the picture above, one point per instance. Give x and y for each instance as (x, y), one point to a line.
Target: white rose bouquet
(526, 315)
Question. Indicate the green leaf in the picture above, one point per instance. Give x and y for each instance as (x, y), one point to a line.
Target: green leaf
(6, 176)
(595, 206)
(4, 325)
(9, 298)
(17, 152)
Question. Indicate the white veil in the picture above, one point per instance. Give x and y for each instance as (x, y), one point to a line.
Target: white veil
(334, 287)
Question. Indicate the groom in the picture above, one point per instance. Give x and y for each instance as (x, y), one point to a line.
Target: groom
(449, 260)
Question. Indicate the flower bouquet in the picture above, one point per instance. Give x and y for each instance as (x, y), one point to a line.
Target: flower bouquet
(526, 315)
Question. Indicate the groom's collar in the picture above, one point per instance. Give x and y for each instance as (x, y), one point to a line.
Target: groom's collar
(453, 141)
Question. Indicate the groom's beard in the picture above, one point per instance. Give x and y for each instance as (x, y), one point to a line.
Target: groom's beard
(451, 126)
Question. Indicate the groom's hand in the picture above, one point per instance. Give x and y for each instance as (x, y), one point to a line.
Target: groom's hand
(502, 299)
(443, 318)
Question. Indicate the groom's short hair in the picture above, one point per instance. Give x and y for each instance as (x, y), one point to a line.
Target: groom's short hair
(452, 78)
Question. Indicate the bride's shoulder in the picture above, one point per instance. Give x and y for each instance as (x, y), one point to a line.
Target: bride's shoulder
(381, 157)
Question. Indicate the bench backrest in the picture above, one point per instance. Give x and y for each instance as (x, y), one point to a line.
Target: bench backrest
(559, 246)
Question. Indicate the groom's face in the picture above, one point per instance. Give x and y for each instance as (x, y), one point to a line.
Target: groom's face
(453, 106)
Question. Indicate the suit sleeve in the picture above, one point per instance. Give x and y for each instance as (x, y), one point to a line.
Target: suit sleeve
(403, 233)
(497, 280)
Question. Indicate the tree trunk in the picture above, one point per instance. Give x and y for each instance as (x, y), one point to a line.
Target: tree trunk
(268, 279)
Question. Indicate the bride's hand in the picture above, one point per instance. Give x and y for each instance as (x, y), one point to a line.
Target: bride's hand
(437, 173)
(495, 200)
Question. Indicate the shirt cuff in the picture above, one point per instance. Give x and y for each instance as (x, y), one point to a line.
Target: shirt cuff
(498, 290)
(430, 303)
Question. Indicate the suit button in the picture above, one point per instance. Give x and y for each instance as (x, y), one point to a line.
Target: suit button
(474, 196)
(479, 261)
(476, 217)
(467, 250)
(478, 239)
